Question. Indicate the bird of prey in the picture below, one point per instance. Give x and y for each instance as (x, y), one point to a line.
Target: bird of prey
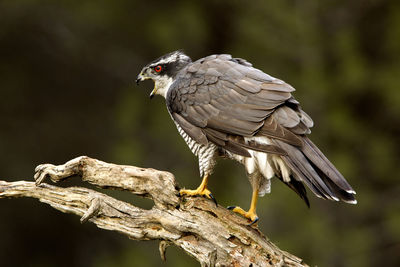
(224, 107)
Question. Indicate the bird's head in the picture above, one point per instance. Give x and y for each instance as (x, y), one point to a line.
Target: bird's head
(163, 71)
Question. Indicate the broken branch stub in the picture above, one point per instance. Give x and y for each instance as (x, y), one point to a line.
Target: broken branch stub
(160, 186)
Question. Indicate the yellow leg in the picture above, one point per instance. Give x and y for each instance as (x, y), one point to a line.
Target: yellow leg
(251, 214)
(200, 191)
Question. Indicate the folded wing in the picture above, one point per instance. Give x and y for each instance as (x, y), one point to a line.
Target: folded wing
(225, 101)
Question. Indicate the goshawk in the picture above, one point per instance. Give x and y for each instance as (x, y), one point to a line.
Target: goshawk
(224, 107)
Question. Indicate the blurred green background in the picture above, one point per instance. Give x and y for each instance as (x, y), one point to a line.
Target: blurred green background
(67, 70)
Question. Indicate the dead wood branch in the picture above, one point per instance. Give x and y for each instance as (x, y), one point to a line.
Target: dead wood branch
(213, 235)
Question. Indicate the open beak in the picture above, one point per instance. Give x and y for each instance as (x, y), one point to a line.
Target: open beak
(140, 78)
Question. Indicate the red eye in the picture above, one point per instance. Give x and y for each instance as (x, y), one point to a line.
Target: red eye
(158, 68)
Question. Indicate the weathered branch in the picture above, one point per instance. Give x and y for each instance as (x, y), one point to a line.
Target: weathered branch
(213, 235)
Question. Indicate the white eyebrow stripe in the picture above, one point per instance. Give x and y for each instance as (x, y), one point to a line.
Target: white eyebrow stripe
(171, 58)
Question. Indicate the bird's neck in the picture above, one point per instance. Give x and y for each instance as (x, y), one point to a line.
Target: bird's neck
(163, 85)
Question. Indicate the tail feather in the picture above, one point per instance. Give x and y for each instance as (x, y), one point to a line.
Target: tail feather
(297, 187)
(315, 155)
(303, 170)
(339, 192)
(310, 166)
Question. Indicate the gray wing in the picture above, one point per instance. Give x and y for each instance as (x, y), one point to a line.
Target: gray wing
(221, 99)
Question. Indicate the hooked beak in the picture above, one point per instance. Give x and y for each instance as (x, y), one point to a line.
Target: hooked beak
(140, 78)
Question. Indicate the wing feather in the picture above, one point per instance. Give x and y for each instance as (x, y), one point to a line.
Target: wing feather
(286, 117)
(249, 85)
(277, 85)
(194, 132)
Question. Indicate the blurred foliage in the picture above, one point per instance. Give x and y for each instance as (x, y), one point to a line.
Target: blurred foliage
(66, 89)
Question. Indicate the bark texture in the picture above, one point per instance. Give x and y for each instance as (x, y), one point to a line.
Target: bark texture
(211, 234)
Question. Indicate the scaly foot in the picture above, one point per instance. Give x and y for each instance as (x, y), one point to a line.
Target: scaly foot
(251, 214)
(198, 192)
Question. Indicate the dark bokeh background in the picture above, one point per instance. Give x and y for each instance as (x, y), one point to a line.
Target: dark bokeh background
(66, 89)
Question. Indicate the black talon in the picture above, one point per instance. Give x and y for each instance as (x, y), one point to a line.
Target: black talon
(213, 198)
(253, 222)
(231, 207)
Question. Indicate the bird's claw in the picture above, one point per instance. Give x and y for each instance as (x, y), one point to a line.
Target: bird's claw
(254, 221)
(250, 215)
(213, 199)
(198, 192)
